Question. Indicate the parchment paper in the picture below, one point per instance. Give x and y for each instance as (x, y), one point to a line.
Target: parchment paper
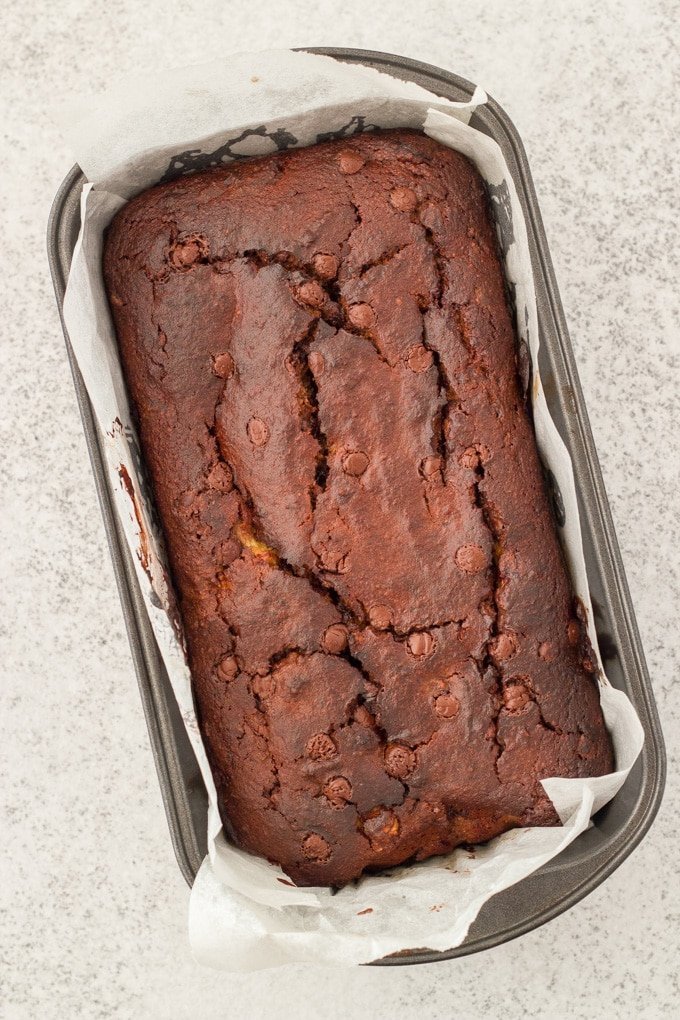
(242, 916)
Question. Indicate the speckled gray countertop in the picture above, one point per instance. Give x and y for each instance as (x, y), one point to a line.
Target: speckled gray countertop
(93, 904)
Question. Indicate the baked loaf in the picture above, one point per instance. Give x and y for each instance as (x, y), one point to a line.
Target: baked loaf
(385, 648)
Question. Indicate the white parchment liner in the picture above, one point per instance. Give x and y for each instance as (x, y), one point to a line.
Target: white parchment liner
(242, 916)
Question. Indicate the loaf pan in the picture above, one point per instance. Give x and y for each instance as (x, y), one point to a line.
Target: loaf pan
(619, 826)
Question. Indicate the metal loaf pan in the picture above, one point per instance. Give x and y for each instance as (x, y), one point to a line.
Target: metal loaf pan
(620, 826)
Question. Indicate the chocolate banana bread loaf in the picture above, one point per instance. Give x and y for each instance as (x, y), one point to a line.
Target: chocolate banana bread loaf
(386, 652)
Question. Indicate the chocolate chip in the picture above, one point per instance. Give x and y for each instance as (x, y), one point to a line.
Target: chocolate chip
(487, 608)
(420, 644)
(503, 646)
(316, 848)
(187, 250)
(338, 791)
(430, 466)
(419, 359)
(223, 366)
(263, 686)
(380, 826)
(362, 716)
(471, 559)
(350, 162)
(473, 456)
(335, 639)
(507, 562)
(220, 477)
(380, 617)
(334, 560)
(320, 747)
(316, 363)
(355, 463)
(446, 705)
(399, 760)
(469, 458)
(325, 265)
(516, 695)
(258, 432)
(311, 294)
(228, 668)
(404, 199)
(362, 316)
(573, 632)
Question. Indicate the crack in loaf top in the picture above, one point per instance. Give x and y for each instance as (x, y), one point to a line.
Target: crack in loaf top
(382, 636)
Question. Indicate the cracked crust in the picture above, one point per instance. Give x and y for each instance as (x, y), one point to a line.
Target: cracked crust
(384, 644)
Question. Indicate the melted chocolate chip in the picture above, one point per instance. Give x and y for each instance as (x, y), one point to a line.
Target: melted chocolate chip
(419, 359)
(399, 760)
(338, 791)
(223, 365)
(446, 705)
(187, 250)
(316, 363)
(311, 294)
(325, 265)
(573, 632)
(362, 316)
(473, 456)
(228, 668)
(516, 695)
(333, 560)
(430, 467)
(355, 463)
(380, 617)
(350, 162)
(316, 848)
(263, 686)
(258, 432)
(380, 826)
(404, 199)
(335, 639)
(420, 644)
(321, 747)
(362, 716)
(503, 646)
(471, 559)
